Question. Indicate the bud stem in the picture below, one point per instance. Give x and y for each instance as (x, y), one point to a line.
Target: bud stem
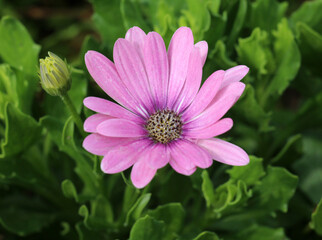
(78, 121)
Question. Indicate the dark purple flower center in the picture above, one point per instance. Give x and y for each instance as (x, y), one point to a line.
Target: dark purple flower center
(164, 126)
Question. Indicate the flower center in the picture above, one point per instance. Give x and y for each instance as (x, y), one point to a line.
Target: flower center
(164, 126)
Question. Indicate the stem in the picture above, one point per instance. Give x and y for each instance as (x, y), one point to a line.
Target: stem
(78, 121)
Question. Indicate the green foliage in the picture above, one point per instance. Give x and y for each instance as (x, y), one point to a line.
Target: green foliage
(51, 188)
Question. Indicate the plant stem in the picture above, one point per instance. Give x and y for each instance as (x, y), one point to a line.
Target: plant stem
(78, 121)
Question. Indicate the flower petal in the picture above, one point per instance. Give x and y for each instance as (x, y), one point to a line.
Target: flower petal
(157, 67)
(205, 95)
(195, 154)
(136, 36)
(235, 89)
(104, 73)
(203, 49)
(120, 128)
(213, 130)
(225, 152)
(158, 156)
(179, 51)
(93, 121)
(121, 158)
(100, 145)
(131, 69)
(106, 107)
(234, 74)
(213, 113)
(192, 82)
(142, 173)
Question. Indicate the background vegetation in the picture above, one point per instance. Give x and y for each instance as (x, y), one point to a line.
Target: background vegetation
(50, 188)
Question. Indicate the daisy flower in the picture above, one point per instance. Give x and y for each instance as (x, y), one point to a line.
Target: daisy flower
(162, 117)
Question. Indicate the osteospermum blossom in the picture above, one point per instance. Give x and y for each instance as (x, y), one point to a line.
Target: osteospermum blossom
(162, 117)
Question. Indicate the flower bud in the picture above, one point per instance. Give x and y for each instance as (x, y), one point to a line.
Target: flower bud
(54, 75)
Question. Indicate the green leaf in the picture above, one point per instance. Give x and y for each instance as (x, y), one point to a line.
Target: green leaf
(288, 59)
(238, 23)
(309, 167)
(18, 126)
(69, 189)
(310, 45)
(316, 222)
(290, 152)
(107, 13)
(219, 56)
(229, 197)
(309, 13)
(265, 14)
(8, 82)
(261, 232)
(254, 51)
(147, 228)
(207, 188)
(137, 208)
(276, 189)
(251, 110)
(17, 47)
(250, 174)
(132, 15)
(207, 236)
(172, 214)
(101, 215)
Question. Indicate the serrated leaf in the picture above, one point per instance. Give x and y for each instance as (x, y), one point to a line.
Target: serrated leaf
(288, 59)
(250, 174)
(18, 126)
(17, 47)
(276, 189)
(254, 51)
(147, 228)
(219, 56)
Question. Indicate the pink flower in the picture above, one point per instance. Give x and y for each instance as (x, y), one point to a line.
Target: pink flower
(163, 116)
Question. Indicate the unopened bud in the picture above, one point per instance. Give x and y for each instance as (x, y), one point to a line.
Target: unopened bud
(54, 75)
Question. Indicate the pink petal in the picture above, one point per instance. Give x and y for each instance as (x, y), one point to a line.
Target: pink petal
(158, 156)
(213, 113)
(192, 82)
(109, 108)
(234, 89)
(121, 158)
(104, 73)
(225, 152)
(100, 145)
(120, 128)
(234, 74)
(180, 47)
(157, 67)
(176, 165)
(93, 121)
(213, 130)
(203, 49)
(205, 95)
(131, 69)
(194, 154)
(136, 36)
(142, 173)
